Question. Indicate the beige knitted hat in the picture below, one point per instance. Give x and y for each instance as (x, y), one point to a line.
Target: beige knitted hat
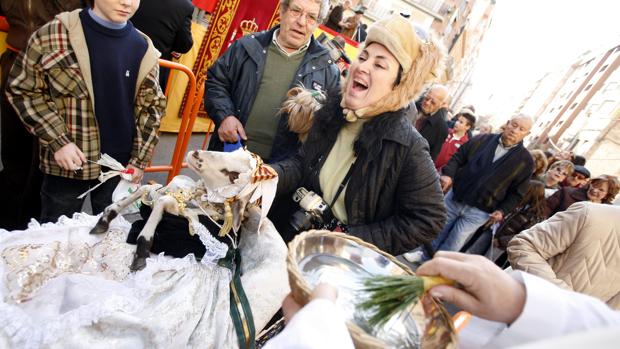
(397, 35)
(418, 55)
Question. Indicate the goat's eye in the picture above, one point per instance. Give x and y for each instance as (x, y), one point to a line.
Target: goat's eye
(224, 171)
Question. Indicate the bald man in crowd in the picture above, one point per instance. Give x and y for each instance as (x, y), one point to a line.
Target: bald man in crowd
(489, 175)
(432, 118)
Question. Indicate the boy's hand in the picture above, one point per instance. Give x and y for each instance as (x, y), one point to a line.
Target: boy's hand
(138, 174)
(70, 157)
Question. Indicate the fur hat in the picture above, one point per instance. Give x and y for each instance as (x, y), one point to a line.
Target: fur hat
(419, 56)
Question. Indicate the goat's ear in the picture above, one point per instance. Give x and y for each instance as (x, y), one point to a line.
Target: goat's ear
(238, 209)
(232, 176)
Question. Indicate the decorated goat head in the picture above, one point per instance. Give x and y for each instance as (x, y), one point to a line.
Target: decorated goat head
(219, 170)
(238, 176)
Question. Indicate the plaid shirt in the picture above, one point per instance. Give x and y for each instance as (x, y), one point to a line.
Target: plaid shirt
(51, 89)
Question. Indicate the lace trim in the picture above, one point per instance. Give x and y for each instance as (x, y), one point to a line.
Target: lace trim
(79, 219)
(24, 332)
(215, 250)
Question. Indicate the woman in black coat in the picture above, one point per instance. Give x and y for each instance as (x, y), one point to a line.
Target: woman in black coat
(392, 197)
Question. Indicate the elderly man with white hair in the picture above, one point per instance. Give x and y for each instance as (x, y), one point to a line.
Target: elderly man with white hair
(489, 176)
(432, 117)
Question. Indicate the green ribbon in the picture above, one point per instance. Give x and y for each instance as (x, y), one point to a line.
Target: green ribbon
(240, 310)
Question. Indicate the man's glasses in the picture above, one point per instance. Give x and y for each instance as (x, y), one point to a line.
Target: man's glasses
(297, 12)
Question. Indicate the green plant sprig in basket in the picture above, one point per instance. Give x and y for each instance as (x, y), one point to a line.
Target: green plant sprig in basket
(388, 295)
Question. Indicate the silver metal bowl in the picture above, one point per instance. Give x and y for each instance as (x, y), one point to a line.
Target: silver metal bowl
(343, 262)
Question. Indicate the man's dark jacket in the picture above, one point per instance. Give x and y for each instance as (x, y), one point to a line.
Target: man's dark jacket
(393, 198)
(495, 186)
(434, 129)
(233, 81)
(168, 23)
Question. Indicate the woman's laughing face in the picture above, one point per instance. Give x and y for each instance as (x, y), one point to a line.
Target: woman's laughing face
(372, 77)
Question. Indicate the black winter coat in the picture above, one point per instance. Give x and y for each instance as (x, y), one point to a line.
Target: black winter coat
(233, 81)
(393, 198)
(434, 129)
(168, 23)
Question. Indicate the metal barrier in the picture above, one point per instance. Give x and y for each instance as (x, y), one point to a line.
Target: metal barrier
(179, 164)
(188, 116)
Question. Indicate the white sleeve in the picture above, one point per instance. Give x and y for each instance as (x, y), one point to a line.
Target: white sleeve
(551, 311)
(318, 325)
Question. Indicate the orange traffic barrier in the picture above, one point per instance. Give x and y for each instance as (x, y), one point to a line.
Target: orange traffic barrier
(179, 164)
(188, 114)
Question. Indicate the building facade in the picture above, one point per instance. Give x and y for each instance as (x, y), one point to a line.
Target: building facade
(582, 113)
(459, 24)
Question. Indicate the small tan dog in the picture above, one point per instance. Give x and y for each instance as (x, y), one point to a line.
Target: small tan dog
(300, 106)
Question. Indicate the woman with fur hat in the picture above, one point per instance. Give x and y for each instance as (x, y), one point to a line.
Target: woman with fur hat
(363, 141)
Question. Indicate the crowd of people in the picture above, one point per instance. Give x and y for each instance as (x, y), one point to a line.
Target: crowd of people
(394, 165)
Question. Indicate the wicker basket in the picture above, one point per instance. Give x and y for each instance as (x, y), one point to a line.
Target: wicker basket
(301, 289)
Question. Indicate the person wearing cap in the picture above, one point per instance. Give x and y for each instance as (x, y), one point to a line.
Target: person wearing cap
(363, 141)
(578, 179)
(602, 189)
(431, 119)
(350, 24)
(457, 136)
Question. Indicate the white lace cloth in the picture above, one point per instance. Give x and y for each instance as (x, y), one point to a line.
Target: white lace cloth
(61, 287)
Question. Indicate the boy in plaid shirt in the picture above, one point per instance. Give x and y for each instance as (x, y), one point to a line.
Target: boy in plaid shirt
(88, 84)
